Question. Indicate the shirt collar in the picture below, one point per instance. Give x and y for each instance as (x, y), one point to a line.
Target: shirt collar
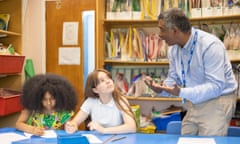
(110, 104)
(187, 46)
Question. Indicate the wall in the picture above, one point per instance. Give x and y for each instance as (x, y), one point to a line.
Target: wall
(34, 33)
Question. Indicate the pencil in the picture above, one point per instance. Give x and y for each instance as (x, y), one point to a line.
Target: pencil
(117, 139)
(108, 139)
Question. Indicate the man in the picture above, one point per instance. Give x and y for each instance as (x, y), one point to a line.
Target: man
(200, 73)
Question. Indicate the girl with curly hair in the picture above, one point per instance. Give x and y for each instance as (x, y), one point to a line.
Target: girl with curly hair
(49, 100)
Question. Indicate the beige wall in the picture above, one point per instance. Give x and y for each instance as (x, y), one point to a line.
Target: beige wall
(34, 33)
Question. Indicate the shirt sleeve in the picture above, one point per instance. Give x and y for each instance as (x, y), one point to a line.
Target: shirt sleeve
(172, 77)
(86, 106)
(214, 59)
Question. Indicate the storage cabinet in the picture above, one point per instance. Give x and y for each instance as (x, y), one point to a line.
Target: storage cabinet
(11, 77)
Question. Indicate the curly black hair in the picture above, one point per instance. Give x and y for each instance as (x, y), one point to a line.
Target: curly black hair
(58, 86)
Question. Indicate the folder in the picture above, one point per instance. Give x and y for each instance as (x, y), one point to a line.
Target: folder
(72, 139)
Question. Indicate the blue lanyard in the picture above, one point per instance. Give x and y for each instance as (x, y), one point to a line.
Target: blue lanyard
(190, 59)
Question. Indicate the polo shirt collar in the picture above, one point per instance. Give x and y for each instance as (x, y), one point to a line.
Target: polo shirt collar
(110, 104)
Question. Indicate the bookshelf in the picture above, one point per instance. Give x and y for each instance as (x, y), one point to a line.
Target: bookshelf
(12, 35)
(103, 24)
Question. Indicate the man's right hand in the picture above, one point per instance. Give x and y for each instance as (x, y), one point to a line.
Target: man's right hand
(157, 88)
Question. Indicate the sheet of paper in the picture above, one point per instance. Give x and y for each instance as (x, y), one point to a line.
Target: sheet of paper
(70, 33)
(92, 138)
(186, 140)
(28, 134)
(47, 134)
(69, 56)
(8, 138)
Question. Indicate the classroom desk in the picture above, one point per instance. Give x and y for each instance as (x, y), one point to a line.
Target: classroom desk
(134, 138)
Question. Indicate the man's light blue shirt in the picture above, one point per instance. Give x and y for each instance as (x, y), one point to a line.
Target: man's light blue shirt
(210, 72)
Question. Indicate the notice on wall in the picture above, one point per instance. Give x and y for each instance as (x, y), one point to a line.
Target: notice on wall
(69, 56)
(70, 33)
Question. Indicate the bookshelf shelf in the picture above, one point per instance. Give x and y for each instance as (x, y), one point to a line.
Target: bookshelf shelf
(127, 23)
(217, 19)
(149, 23)
(236, 61)
(142, 98)
(121, 62)
(4, 33)
(160, 62)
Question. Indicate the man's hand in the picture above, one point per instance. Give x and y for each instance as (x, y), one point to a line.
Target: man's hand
(153, 85)
(175, 90)
(158, 88)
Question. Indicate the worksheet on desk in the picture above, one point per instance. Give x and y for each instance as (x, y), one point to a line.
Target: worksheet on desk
(8, 138)
(92, 139)
(186, 140)
(47, 134)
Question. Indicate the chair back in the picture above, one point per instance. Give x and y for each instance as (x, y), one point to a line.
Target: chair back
(174, 127)
(234, 131)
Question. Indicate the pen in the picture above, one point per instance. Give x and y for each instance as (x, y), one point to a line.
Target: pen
(108, 139)
(117, 139)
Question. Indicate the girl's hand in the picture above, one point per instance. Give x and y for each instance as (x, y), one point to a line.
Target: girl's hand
(39, 131)
(70, 127)
(95, 126)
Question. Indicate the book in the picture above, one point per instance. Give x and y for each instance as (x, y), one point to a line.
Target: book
(171, 109)
(4, 19)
